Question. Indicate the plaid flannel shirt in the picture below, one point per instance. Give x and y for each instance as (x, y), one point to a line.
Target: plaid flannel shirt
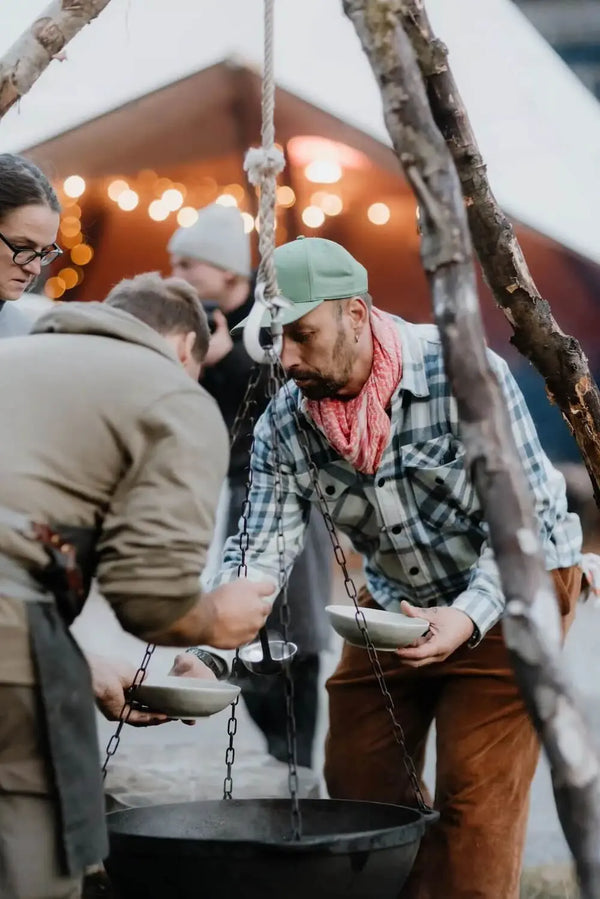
(417, 522)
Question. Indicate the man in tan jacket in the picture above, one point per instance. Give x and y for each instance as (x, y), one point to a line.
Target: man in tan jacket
(110, 450)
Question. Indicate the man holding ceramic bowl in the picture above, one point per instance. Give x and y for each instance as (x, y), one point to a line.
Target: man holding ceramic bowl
(370, 394)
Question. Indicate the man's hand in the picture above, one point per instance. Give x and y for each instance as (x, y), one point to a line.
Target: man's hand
(235, 612)
(448, 629)
(186, 664)
(110, 679)
(220, 344)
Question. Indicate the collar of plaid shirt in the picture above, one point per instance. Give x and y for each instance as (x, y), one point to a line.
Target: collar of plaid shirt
(359, 428)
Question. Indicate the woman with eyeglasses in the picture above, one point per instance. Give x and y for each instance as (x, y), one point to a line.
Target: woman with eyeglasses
(29, 217)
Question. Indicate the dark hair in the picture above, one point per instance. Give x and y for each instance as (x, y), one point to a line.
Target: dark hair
(23, 184)
(169, 305)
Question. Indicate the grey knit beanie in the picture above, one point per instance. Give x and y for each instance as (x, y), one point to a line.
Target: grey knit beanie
(217, 238)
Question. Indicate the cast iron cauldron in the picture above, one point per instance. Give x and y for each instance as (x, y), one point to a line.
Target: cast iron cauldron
(242, 847)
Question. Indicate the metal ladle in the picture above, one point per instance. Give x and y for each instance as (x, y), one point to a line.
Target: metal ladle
(268, 654)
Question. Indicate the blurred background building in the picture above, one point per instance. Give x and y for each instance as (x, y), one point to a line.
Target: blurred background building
(572, 27)
(151, 117)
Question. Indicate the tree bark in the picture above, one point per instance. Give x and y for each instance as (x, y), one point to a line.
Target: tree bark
(44, 39)
(531, 626)
(557, 356)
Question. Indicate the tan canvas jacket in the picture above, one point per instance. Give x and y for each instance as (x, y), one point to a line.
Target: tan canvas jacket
(97, 418)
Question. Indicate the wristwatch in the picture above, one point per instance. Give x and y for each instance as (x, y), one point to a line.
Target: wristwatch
(217, 664)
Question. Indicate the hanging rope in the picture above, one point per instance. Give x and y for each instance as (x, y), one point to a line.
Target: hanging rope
(263, 164)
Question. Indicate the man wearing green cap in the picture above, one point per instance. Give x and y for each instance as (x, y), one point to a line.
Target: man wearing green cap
(370, 393)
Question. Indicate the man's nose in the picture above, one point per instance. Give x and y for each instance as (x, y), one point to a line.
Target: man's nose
(34, 267)
(289, 353)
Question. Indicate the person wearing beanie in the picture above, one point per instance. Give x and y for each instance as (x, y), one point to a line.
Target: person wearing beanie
(213, 255)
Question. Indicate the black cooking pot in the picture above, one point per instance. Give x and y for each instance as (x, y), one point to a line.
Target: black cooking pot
(243, 847)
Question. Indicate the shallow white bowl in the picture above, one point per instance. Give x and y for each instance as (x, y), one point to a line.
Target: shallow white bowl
(387, 630)
(186, 697)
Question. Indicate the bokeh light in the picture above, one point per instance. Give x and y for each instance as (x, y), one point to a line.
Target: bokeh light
(116, 188)
(74, 186)
(128, 200)
(82, 254)
(378, 213)
(54, 288)
(313, 217)
(187, 216)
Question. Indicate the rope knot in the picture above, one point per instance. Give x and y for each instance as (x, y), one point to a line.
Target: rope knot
(262, 163)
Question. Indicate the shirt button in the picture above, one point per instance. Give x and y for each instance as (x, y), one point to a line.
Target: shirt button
(330, 489)
(413, 570)
(381, 482)
(396, 529)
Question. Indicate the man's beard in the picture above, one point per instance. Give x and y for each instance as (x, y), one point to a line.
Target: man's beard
(322, 387)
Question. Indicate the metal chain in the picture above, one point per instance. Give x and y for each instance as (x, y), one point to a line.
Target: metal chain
(352, 593)
(113, 743)
(273, 386)
(245, 416)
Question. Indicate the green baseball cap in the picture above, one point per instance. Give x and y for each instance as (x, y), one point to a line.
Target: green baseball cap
(311, 270)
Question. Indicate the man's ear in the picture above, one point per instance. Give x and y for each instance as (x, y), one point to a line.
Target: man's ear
(188, 343)
(358, 311)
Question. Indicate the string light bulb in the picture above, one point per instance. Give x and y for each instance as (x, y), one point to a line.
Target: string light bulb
(116, 188)
(378, 213)
(128, 200)
(187, 216)
(158, 211)
(74, 186)
(172, 198)
(313, 217)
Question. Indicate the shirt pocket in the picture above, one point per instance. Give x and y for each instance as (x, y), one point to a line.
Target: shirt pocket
(437, 482)
(342, 491)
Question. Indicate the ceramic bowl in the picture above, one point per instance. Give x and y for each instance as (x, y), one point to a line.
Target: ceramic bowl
(186, 697)
(387, 630)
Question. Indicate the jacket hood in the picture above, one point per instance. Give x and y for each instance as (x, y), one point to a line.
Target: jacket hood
(102, 321)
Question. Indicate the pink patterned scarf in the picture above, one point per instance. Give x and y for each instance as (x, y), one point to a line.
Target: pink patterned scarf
(359, 428)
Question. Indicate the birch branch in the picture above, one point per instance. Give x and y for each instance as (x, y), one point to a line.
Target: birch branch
(531, 627)
(40, 44)
(557, 356)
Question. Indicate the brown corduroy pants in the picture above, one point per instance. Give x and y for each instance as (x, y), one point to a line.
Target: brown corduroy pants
(487, 753)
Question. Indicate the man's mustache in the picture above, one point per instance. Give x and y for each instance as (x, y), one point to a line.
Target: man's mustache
(298, 375)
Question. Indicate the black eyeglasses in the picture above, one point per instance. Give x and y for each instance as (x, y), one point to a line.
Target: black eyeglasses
(25, 255)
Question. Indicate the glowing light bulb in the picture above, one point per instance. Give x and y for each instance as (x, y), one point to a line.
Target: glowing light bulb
(323, 171)
(158, 211)
(69, 276)
(128, 200)
(226, 200)
(331, 204)
(116, 188)
(285, 196)
(172, 198)
(82, 254)
(378, 213)
(54, 288)
(313, 217)
(74, 186)
(187, 216)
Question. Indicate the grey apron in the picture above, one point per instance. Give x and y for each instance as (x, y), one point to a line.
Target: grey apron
(66, 695)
